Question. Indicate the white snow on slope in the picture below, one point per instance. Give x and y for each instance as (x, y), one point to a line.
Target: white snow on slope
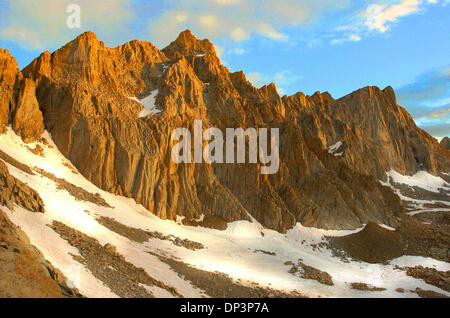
(421, 179)
(415, 212)
(58, 252)
(418, 203)
(231, 251)
(61, 206)
(148, 103)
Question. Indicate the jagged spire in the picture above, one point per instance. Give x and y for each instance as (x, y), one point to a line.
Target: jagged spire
(187, 44)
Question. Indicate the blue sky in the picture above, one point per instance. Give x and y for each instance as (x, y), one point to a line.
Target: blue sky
(301, 45)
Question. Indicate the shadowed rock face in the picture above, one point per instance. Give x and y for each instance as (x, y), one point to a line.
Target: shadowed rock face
(445, 142)
(83, 89)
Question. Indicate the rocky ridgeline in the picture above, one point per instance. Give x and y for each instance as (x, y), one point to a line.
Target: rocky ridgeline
(80, 94)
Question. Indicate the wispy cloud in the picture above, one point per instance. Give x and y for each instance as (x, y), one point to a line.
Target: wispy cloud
(237, 20)
(378, 17)
(281, 79)
(286, 78)
(42, 24)
(428, 87)
(237, 51)
(258, 79)
(349, 38)
(438, 131)
(28, 38)
(426, 114)
(428, 101)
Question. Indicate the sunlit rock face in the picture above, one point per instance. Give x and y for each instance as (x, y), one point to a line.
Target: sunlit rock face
(18, 104)
(332, 152)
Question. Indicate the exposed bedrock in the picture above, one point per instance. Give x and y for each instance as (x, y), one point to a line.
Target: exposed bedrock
(83, 91)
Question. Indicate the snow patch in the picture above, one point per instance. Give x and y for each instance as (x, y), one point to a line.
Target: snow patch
(421, 179)
(332, 149)
(244, 229)
(149, 104)
(415, 212)
(158, 292)
(386, 227)
(413, 261)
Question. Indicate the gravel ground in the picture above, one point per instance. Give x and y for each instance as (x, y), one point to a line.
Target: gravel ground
(13, 162)
(24, 272)
(219, 285)
(375, 244)
(364, 286)
(77, 192)
(142, 236)
(430, 276)
(308, 272)
(122, 277)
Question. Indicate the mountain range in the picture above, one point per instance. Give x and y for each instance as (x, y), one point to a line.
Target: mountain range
(110, 113)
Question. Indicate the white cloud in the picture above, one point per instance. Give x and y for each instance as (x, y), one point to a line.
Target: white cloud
(236, 20)
(29, 38)
(350, 38)
(267, 30)
(42, 24)
(286, 78)
(442, 2)
(281, 79)
(239, 34)
(380, 16)
(281, 91)
(219, 50)
(208, 20)
(427, 99)
(181, 17)
(355, 38)
(257, 79)
(236, 51)
(227, 2)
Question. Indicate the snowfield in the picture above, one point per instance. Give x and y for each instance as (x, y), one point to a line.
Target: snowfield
(421, 179)
(232, 251)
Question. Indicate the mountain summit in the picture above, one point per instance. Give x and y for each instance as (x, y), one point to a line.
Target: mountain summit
(187, 44)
